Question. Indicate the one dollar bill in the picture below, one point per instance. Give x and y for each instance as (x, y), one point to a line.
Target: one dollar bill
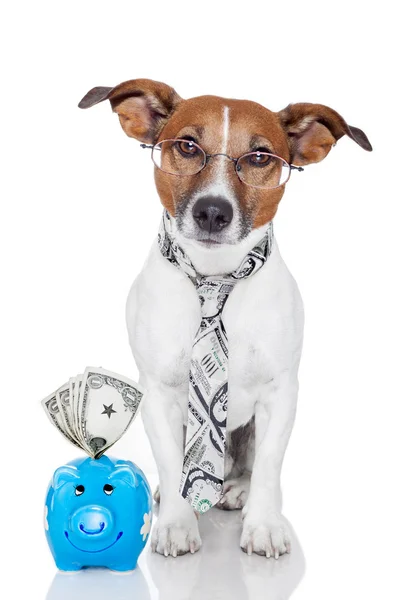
(92, 411)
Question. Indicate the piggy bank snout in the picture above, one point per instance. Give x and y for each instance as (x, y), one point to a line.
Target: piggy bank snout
(91, 520)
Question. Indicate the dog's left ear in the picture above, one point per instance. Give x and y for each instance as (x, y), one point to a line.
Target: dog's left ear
(312, 130)
(143, 106)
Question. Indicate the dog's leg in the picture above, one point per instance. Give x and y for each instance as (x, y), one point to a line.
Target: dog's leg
(176, 530)
(238, 465)
(264, 529)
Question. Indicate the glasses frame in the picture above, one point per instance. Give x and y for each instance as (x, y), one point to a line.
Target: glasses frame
(207, 158)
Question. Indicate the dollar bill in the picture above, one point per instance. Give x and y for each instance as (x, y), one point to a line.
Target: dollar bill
(107, 406)
(64, 407)
(53, 412)
(93, 410)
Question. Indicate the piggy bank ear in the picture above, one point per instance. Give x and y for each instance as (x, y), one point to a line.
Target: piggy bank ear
(63, 475)
(124, 473)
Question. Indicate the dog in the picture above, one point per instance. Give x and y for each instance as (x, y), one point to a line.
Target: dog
(217, 219)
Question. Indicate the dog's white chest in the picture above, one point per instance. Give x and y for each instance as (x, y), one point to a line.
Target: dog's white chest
(262, 316)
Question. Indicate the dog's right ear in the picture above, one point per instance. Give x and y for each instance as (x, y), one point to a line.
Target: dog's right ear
(143, 106)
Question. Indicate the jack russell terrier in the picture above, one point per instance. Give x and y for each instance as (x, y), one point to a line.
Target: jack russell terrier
(221, 169)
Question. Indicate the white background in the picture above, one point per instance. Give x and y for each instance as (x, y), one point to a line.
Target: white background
(79, 212)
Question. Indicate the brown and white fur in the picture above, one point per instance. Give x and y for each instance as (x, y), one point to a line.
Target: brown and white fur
(264, 314)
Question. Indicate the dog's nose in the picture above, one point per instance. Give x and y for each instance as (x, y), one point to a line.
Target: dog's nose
(212, 214)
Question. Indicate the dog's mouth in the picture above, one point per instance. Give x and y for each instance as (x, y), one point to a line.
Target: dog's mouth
(208, 243)
(94, 551)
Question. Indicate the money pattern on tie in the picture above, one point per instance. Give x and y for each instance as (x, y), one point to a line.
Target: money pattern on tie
(93, 410)
(203, 467)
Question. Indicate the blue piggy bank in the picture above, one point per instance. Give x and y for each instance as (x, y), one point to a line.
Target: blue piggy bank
(98, 514)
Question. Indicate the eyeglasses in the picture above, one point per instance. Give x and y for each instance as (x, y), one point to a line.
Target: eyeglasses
(183, 157)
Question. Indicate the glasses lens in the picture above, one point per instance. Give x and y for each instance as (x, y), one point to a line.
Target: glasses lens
(263, 170)
(179, 157)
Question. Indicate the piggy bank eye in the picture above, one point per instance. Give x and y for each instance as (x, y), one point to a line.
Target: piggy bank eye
(108, 489)
(79, 490)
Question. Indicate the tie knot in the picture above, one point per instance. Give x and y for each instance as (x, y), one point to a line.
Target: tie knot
(213, 293)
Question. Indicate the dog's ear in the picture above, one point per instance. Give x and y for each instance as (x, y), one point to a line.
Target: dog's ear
(143, 106)
(312, 130)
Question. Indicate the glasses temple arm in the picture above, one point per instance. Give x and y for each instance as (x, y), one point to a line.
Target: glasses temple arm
(297, 168)
(146, 146)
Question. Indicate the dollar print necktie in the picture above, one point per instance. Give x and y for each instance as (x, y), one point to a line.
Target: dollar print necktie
(203, 466)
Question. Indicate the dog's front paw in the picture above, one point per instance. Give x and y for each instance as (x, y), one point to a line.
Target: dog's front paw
(267, 535)
(235, 493)
(176, 536)
(157, 495)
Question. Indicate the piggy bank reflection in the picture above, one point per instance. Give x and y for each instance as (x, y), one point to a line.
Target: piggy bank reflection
(98, 514)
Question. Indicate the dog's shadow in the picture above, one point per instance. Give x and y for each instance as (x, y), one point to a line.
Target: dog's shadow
(221, 570)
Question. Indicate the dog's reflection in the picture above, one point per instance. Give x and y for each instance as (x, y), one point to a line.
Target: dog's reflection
(100, 584)
(222, 570)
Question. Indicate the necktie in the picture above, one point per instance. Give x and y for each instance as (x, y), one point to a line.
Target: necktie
(203, 466)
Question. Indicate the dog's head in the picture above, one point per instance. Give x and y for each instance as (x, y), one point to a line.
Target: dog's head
(214, 198)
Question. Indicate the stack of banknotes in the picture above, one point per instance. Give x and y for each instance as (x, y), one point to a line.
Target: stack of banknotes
(94, 410)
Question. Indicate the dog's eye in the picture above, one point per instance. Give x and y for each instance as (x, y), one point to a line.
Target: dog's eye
(259, 158)
(188, 148)
(108, 489)
(79, 490)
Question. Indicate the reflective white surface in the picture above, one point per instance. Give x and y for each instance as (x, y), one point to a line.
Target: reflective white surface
(99, 584)
(219, 571)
